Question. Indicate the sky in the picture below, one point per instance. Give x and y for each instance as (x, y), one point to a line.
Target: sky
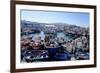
(76, 18)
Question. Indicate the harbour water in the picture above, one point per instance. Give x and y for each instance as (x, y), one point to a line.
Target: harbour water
(66, 37)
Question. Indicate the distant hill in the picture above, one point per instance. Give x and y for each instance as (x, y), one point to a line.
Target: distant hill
(67, 28)
(29, 23)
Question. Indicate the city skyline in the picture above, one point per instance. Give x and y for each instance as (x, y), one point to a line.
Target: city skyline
(76, 18)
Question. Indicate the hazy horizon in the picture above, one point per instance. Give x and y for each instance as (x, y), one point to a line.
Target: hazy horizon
(71, 18)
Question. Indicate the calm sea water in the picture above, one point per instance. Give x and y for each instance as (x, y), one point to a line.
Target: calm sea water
(58, 35)
(65, 36)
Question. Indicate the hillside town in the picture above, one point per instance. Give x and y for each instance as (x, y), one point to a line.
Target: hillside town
(41, 42)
